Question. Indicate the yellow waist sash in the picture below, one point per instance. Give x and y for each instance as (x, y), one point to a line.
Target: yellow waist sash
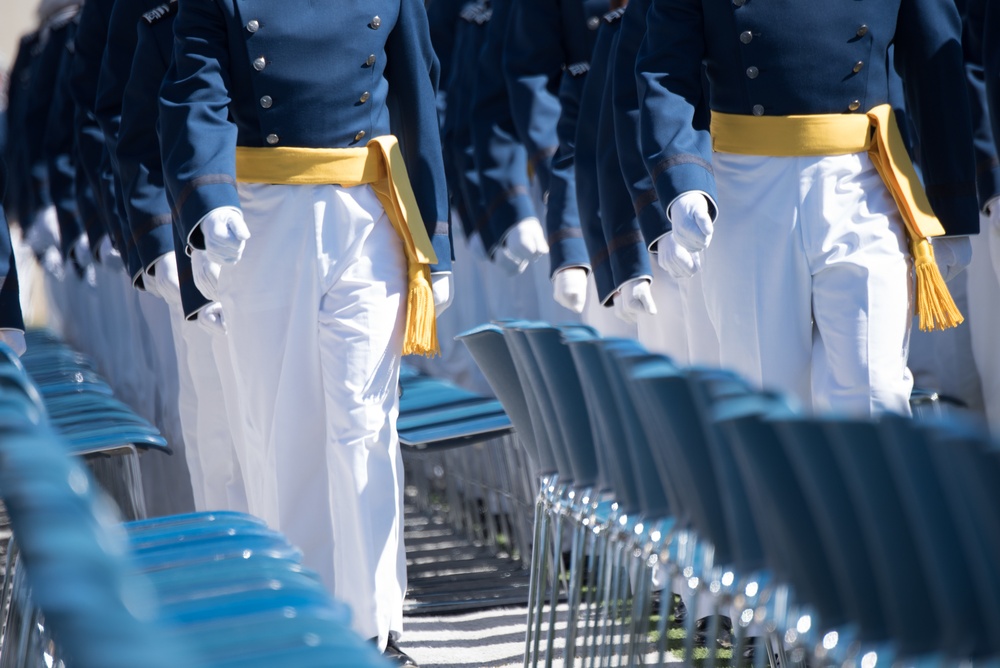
(838, 134)
(380, 165)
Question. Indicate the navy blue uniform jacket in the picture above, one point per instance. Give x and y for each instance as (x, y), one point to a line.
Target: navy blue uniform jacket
(260, 73)
(783, 57)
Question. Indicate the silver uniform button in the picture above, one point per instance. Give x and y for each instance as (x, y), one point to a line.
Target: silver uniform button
(272, 139)
(360, 135)
(593, 22)
(376, 22)
(370, 61)
(739, 3)
(746, 36)
(253, 25)
(259, 63)
(858, 65)
(364, 97)
(854, 105)
(862, 30)
(266, 101)
(752, 72)
(758, 110)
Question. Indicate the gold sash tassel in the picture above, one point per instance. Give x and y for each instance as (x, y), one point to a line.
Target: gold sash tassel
(838, 134)
(380, 165)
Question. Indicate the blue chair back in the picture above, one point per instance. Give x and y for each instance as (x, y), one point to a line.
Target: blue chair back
(619, 357)
(793, 545)
(838, 519)
(906, 447)
(489, 349)
(901, 575)
(562, 384)
(533, 384)
(606, 422)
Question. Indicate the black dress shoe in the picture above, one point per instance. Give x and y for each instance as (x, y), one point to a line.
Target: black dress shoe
(724, 637)
(398, 656)
(677, 614)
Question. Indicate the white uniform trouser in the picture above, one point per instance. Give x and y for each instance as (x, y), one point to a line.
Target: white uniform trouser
(984, 316)
(943, 361)
(166, 479)
(807, 281)
(315, 316)
(681, 327)
(211, 419)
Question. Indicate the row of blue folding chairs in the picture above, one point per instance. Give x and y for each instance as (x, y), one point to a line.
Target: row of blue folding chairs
(82, 589)
(835, 542)
(459, 448)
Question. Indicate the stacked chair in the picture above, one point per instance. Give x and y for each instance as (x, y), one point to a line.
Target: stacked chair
(460, 443)
(827, 541)
(81, 589)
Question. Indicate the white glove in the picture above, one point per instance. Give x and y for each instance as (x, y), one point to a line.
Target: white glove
(211, 319)
(523, 244)
(633, 299)
(676, 260)
(206, 274)
(52, 262)
(225, 234)
(105, 250)
(443, 294)
(83, 260)
(569, 288)
(952, 254)
(44, 232)
(15, 339)
(161, 278)
(690, 220)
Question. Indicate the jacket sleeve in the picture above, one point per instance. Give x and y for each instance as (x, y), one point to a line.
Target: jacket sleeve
(676, 145)
(91, 38)
(197, 138)
(929, 58)
(10, 303)
(412, 71)
(501, 159)
(991, 66)
(60, 157)
(626, 246)
(138, 151)
(648, 210)
(533, 59)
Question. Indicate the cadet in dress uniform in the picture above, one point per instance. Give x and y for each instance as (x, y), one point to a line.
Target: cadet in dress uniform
(42, 227)
(513, 235)
(17, 199)
(807, 276)
(122, 351)
(681, 327)
(86, 67)
(277, 124)
(11, 322)
(983, 68)
(153, 270)
(207, 398)
(587, 173)
(546, 42)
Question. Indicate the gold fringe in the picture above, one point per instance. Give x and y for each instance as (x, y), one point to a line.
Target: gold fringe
(935, 306)
(421, 323)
